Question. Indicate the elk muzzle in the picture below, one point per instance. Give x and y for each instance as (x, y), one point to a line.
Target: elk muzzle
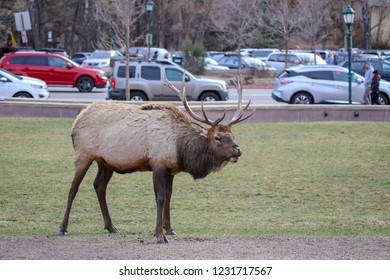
(236, 153)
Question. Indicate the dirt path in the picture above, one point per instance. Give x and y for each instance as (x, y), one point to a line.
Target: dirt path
(132, 247)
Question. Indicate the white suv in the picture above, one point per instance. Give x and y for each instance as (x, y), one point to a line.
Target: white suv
(322, 84)
(147, 83)
(101, 59)
(12, 85)
(278, 59)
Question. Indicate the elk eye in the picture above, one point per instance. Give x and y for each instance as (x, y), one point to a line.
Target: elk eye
(216, 138)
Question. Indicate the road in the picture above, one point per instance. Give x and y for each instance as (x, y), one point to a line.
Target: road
(258, 96)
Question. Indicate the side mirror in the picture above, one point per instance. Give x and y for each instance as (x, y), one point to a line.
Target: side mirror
(3, 79)
(69, 65)
(359, 81)
(187, 79)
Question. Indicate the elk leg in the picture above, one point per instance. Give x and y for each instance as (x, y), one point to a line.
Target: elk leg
(100, 184)
(80, 171)
(160, 179)
(166, 214)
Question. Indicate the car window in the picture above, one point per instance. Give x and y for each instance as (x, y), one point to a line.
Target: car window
(386, 67)
(320, 75)
(222, 60)
(376, 65)
(273, 57)
(56, 62)
(340, 76)
(260, 53)
(17, 60)
(36, 60)
(122, 72)
(150, 73)
(281, 58)
(289, 73)
(293, 59)
(355, 65)
(173, 74)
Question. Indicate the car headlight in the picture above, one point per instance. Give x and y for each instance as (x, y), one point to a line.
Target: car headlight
(101, 74)
(36, 86)
(224, 86)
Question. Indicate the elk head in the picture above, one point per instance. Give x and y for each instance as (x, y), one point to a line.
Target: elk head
(220, 137)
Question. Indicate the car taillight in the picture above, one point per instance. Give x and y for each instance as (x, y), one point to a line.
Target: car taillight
(113, 83)
(285, 81)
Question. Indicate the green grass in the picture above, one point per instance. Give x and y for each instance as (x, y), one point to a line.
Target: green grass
(295, 179)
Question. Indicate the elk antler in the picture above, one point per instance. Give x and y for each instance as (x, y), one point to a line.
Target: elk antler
(183, 98)
(239, 112)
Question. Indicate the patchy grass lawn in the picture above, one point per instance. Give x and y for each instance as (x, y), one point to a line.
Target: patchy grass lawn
(328, 178)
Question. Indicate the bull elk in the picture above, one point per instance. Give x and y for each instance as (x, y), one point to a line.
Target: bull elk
(125, 138)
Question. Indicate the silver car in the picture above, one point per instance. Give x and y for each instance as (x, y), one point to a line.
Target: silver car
(322, 84)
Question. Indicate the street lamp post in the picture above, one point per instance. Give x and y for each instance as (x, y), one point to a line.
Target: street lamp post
(349, 15)
(149, 9)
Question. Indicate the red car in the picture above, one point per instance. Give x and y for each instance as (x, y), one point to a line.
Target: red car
(54, 69)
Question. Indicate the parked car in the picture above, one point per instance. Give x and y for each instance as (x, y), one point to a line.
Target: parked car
(79, 57)
(12, 85)
(382, 66)
(101, 59)
(147, 83)
(278, 59)
(262, 53)
(216, 55)
(342, 55)
(211, 64)
(142, 52)
(247, 62)
(54, 69)
(322, 84)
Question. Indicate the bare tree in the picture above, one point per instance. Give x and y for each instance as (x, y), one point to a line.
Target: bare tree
(383, 9)
(284, 18)
(314, 26)
(121, 17)
(235, 23)
(184, 19)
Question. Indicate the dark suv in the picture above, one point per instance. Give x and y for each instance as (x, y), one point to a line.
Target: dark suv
(382, 66)
(54, 69)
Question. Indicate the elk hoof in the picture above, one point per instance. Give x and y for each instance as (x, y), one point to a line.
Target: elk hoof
(63, 233)
(162, 240)
(171, 233)
(112, 229)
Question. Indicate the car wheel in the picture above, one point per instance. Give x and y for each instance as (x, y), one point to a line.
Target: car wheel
(85, 84)
(383, 99)
(209, 96)
(138, 96)
(301, 98)
(23, 95)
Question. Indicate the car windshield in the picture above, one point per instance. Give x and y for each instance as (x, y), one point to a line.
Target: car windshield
(211, 61)
(261, 53)
(10, 74)
(100, 55)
